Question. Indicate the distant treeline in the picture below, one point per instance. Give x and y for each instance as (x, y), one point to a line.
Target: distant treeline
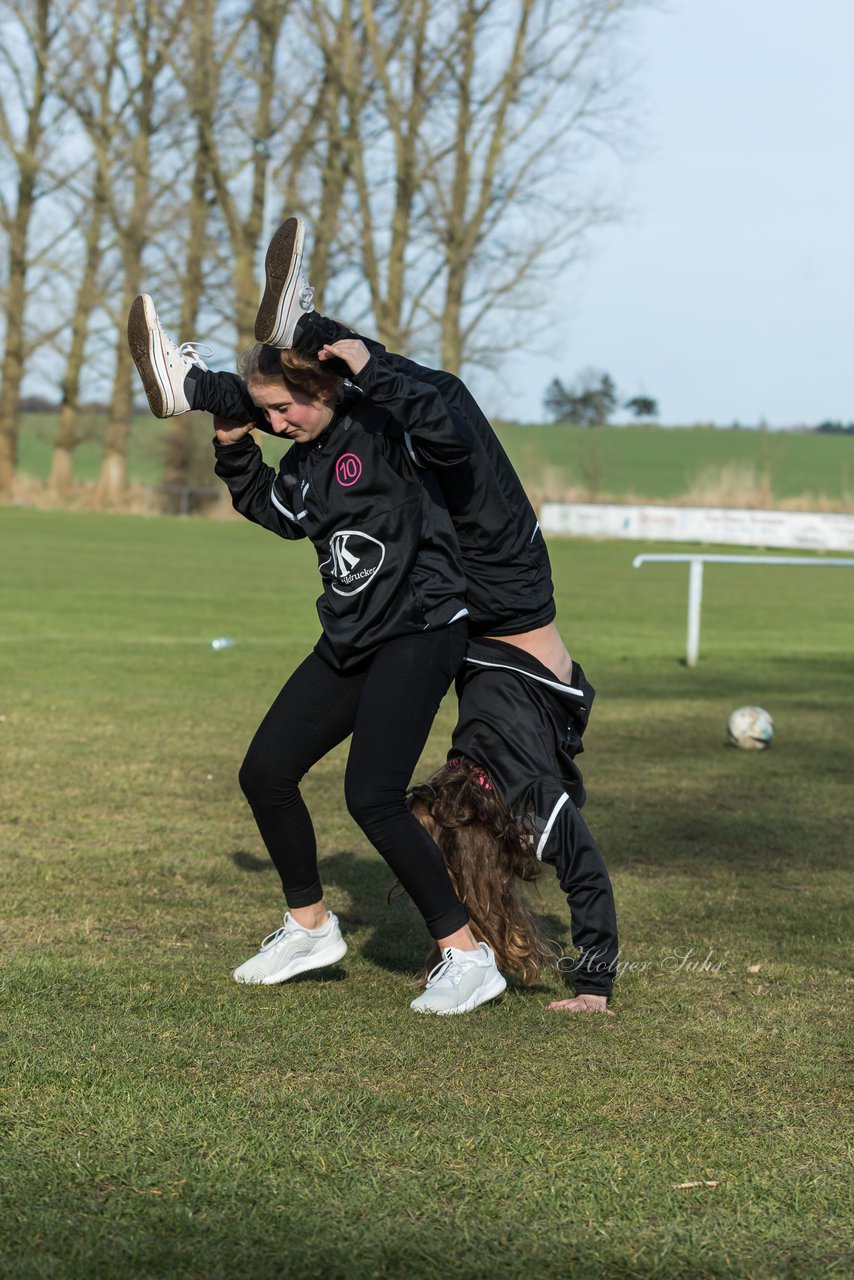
(835, 428)
(40, 404)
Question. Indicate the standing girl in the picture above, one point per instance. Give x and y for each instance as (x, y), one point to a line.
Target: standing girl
(392, 610)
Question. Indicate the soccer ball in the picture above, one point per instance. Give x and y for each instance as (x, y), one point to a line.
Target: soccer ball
(750, 728)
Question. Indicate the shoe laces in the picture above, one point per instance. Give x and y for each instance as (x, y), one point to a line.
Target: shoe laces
(192, 351)
(449, 967)
(289, 928)
(273, 938)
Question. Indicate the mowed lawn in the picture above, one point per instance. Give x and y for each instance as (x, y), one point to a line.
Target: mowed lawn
(161, 1121)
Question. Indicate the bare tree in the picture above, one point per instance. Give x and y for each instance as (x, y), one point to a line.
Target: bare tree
(121, 60)
(234, 135)
(25, 54)
(438, 151)
(461, 131)
(382, 75)
(201, 88)
(62, 461)
(318, 165)
(530, 90)
(85, 201)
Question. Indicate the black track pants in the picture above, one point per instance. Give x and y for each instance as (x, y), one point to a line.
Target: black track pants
(388, 705)
(224, 394)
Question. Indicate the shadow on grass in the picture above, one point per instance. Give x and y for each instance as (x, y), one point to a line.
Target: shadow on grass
(77, 1239)
(249, 862)
(333, 973)
(396, 939)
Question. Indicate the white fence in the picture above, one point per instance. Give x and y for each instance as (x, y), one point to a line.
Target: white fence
(737, 527)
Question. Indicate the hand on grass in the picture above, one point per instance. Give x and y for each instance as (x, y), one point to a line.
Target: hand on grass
(352, 351)
(583, 1004)
(228, 432)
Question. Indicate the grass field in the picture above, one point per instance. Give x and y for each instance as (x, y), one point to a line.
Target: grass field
(161, 1121)
(705, 466)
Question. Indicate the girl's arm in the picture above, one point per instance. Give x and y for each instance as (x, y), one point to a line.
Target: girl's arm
(258, 492)
(583, 876)
(436, 435)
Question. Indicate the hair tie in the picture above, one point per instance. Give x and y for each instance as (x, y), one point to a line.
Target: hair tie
(479, 775)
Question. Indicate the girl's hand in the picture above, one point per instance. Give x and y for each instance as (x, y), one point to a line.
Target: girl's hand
(353, 352)
(583, 1004)
(228, 432)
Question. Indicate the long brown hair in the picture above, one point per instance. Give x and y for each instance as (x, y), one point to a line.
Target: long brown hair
(489, 856)
(298, 370)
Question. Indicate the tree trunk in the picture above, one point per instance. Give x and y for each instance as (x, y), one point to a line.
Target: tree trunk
(178, 448)
(455, 238)
(332, 182)
(61, 470)
(62, 459)
(13, 356)
(381, 67)
(27, 161)
(113, 474)
(268, 16)
(112, 477)
(178, 441)
(131, 230)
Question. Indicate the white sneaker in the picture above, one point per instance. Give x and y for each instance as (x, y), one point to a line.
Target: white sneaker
(287, 294)
(161, 363)
(292, 950)
(462, 981)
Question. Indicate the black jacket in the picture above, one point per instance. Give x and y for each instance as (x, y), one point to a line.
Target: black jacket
(524, 726)
(504, 555)
(386, 549)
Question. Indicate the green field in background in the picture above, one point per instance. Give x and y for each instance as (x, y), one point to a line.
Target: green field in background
(158, 1120)
(649, 462)
(656, 462)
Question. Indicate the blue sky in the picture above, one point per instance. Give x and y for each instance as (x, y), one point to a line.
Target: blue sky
(726, 289)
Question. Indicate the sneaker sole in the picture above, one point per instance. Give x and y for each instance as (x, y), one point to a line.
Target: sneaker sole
(281, 271)
(145, 348)
(479, 997)
(319, 960)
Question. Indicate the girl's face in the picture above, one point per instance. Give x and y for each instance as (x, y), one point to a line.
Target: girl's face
(291, 413)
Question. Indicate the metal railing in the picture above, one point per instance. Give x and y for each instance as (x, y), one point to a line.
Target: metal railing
(695, 582)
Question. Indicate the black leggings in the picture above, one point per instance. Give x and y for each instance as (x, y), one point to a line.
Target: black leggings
(388, 705)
